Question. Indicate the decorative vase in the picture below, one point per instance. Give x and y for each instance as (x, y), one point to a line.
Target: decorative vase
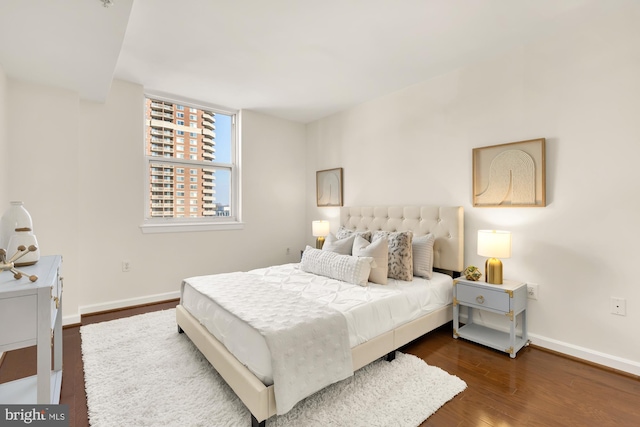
(472, 273)
(15, 217)
(26, 239)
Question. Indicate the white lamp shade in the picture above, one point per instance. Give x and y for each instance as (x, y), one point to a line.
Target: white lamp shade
(320, 228)
(494, 243)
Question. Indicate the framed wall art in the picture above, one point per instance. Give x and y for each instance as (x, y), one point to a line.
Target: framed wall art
(510, 175)
(329, 187)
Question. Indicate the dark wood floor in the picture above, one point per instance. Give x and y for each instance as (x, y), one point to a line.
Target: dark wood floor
(537, 388)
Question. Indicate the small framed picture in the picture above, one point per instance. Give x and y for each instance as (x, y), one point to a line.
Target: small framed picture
(510, 175)
(329, 187)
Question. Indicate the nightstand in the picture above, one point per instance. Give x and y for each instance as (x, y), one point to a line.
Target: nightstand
(508, 299)
(31, 314)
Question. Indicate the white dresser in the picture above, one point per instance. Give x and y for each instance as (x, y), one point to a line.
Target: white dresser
(508, 299)
(31, 314)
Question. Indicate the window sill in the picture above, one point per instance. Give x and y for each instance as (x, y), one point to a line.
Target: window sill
(189, 227)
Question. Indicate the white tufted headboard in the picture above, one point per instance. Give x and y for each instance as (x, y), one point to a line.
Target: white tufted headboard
(445, 222)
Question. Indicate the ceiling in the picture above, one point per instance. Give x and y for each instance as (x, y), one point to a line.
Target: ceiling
(295, 59)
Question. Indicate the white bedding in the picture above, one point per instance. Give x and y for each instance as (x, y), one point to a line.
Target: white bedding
(369, 310)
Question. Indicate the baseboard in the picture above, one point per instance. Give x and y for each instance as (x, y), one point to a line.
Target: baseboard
(563, 348)
(589, 355)
(586, 354)
(118, 304)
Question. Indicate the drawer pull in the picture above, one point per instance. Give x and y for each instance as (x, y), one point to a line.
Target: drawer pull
(480, 299)
(57, 301)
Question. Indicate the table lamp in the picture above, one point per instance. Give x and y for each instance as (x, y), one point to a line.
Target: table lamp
(494, 244)
(320, 229)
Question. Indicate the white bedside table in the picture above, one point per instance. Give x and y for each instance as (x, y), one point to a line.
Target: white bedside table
(509, 299)
(31, 314)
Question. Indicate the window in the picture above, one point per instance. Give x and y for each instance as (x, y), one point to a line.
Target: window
(212, 167)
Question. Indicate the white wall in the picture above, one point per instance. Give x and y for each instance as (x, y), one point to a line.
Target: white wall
(43, 170)
(112, 162)
(579, 90)
(4, 143)
(86, 197)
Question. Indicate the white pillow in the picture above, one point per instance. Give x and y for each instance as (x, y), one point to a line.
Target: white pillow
(422, 247)
(339, 246)
(379, 251)
(347, 268)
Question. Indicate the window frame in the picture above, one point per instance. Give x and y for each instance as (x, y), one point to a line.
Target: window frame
(188, 224)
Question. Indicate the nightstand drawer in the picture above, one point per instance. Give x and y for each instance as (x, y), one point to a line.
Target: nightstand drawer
(19, 320)
(482, 297)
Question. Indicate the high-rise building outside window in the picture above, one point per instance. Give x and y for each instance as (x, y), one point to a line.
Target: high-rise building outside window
(212, 165)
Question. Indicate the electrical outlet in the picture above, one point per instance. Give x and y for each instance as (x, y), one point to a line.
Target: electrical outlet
(619, 306)
(532, 290)
(126, 266)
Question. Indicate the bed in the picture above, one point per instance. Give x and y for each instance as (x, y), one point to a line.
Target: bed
(251, 380)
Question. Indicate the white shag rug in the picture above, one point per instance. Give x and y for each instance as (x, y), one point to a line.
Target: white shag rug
(140, 372)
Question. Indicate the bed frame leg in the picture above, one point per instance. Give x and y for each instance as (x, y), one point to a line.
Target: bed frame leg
(255, 423)
(180, 331)
(390, 356)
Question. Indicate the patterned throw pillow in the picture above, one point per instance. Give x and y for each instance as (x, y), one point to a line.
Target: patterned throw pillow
(345, 232)
(400, 253)
(423, 255)
(347, 268)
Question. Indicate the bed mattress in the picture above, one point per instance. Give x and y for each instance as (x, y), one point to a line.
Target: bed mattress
(370, 311)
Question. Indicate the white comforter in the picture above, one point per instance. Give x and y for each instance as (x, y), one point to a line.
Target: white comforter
(307, 339)
(370, 311)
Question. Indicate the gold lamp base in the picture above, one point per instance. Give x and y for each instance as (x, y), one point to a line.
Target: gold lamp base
(320, 243)
(493, 271)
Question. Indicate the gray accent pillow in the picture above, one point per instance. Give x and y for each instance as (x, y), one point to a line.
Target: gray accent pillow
(339, 246)
(422, 247)
(347, 268)
(379, 251)
(400, 253)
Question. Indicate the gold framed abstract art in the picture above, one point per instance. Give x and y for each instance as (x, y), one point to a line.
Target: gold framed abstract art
(329, 187)
(510, 175)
